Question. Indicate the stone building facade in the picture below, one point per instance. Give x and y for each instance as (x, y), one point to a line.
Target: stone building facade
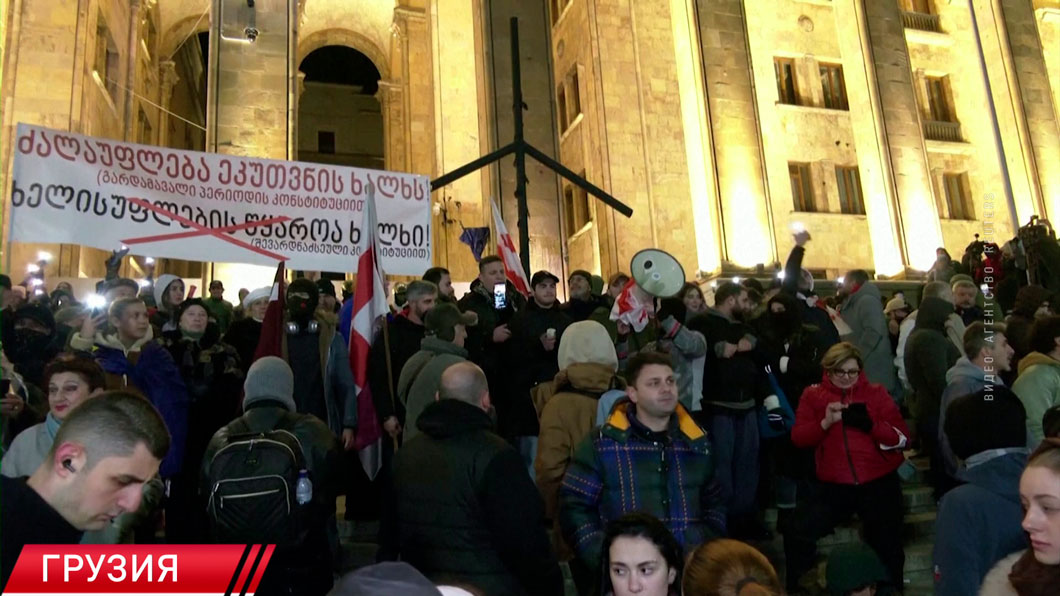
(722, 123)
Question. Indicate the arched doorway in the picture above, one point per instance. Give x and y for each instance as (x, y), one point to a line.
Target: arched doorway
(340, 120)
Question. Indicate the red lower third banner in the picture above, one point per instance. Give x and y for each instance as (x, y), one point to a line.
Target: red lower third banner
(177, 569)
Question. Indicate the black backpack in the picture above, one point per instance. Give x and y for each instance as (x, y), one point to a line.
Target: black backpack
(252, 481)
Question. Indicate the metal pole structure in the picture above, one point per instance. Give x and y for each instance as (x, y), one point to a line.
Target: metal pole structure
(520, 151)
(520, 148)
(1005, 178)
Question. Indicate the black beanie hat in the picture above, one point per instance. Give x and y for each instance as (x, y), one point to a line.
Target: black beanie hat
(37, 312)
(986, 420)
(326, 288)
(190, 302)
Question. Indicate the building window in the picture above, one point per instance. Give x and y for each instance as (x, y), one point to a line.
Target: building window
(561, 107)
(835, 92)
(801, 189)
(921, 6)
(106, 60)
(851, 201)
(786, 89)
(575, 95)
(938, 100)
(144, 129)
(576, 208)
(325, 141)
(958, 201)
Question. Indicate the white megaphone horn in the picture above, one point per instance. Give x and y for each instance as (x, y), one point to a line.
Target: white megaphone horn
(657, 273)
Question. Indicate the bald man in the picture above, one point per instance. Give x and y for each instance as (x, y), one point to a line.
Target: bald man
(464, 508)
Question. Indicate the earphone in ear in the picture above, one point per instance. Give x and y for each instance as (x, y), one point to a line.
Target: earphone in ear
(69, 466)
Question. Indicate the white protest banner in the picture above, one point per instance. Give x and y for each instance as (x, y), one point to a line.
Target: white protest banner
(198, 206)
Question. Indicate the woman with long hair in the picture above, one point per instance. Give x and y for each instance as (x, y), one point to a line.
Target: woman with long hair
(640, 557)
(729, 568)
(1035, 571)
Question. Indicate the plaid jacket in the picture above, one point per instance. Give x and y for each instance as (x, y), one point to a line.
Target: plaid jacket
(620, 468)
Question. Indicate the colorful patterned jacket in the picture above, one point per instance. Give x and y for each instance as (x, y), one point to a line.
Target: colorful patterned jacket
(623, 467)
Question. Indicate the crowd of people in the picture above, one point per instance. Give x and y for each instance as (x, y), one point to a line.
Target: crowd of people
(529, 439)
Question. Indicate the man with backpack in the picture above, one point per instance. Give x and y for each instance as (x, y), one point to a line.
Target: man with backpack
(270, 476)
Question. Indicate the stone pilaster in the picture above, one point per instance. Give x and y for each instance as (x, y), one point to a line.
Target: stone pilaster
(734, 128)
(895, 117)
(417, 68)
(136, 10)
(168, 77)
(1026, 63)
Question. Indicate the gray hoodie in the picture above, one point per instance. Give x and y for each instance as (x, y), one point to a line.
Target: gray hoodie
(964, 378)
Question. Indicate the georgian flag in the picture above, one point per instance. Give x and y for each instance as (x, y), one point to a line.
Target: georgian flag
(513, 268)
(631, 310)
(270, 342)
(369, 304)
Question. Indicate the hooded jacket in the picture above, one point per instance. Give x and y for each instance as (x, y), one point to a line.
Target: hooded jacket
(978, 523)
(465, 510)
(1038, 387)
(146, 367)
(846, 455)
(964, 378)
(421, 376)
(928, 355)
(622, 467)
(863, 312)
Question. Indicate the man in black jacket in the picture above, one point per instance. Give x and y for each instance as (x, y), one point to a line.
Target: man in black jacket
(799, 283)
(466, 511)
(104, 453)
(733, 386)
(582, 301)
(268, 404)
(406, 332)
(536, 332)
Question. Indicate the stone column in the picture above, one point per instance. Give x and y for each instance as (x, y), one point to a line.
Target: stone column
(299, 91)
(903, 218)
(135, 16)
(168, 77)
(1036, 113)
(745, 213)
(414, 38)
(391, 103)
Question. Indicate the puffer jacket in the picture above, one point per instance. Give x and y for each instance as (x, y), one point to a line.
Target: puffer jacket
(1038, 387)
(845, 455)
(569, 415)
(622, 467)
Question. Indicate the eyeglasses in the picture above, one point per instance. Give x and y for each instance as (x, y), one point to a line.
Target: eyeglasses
(845, 373)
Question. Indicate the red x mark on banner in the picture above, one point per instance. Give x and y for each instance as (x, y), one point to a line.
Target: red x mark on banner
(201, 230)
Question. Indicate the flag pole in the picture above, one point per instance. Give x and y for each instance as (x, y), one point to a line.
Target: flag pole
(389, 372)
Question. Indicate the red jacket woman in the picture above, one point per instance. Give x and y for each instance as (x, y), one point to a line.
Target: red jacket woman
(845, 454)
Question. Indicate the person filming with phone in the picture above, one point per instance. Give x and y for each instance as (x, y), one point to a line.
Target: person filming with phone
(857, 434)
(496, 303)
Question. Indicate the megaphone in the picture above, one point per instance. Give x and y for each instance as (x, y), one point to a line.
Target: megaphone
(657, 273)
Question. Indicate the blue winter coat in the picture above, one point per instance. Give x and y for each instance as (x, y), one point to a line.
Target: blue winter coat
(978, 523)
(963, 378)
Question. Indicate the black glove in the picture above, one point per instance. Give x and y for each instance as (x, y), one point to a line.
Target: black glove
(114, 262)
(856, 416)
(671, 307)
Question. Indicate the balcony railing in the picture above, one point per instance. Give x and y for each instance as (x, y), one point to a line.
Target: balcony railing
(921, 21)
(943, 131)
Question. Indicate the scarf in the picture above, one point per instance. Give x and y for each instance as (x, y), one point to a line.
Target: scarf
(51, 426)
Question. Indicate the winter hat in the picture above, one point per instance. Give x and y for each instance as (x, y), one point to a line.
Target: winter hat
(442, 320)
(851, 567)
(67, 314)
(37, 312)
(896, 303)
(304, 285)
(384, 579)
(582, 273)
(256, 295)
(161, 285)
(597, 285)
(540, 277)
(587, 342)
(5, 282)
(269, 378)
(190, 302)
(985, 420)
(326, 288)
